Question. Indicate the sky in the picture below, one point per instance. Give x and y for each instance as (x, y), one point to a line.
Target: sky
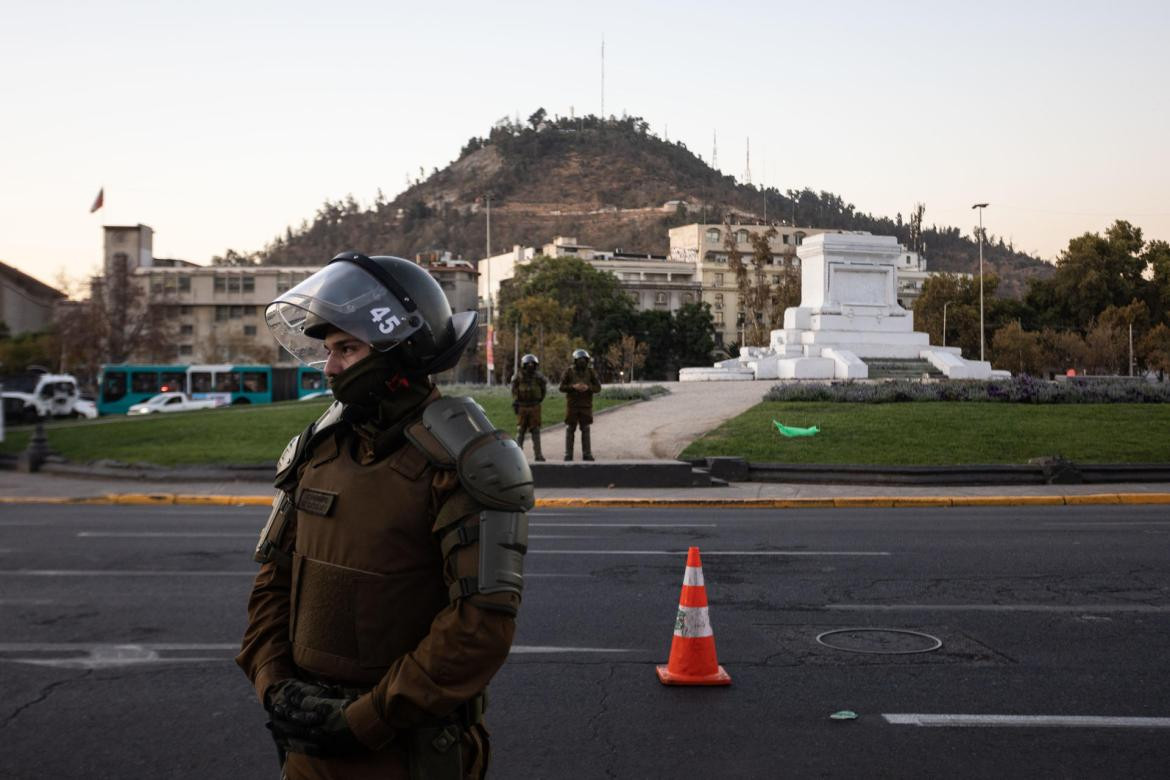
(220, 123)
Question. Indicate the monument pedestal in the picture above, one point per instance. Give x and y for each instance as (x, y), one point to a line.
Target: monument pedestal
(848, 312)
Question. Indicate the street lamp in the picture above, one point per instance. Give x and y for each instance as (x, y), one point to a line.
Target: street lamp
(945, 305)
(980, 206)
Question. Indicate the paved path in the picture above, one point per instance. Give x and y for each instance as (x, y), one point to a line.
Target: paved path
(661, 428)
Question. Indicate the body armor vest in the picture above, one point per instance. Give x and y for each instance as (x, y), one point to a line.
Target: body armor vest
(367, 576)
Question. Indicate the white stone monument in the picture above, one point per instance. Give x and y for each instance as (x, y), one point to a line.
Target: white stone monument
(848, 313)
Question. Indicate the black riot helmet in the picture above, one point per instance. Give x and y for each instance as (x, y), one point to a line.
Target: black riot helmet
(392, 304)
(529, 361)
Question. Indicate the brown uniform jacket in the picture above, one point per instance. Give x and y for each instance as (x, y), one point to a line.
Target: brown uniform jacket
(573, 398)
(365, 603)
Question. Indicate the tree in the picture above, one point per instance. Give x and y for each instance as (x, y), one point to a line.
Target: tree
(1106, 349)
(1093, 273)
(1154, 349)
(543, 328)
(1157, 260)
(625, 358)
(601, 309)
(761, 301)
(694, 335)
(1061, 350)
(1017, 350)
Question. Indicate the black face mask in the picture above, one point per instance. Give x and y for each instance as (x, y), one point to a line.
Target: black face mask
(364, 383)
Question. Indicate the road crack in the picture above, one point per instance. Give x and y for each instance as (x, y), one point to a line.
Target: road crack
(44, 694)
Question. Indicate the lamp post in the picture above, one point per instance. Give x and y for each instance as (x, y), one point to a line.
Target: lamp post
(945, 305)
(980, 206)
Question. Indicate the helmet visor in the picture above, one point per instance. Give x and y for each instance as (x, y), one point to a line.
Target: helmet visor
(346, 297)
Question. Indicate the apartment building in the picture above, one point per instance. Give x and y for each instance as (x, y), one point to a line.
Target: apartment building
(704, 247)
(653, 282)
(26, 304)
(217, 312)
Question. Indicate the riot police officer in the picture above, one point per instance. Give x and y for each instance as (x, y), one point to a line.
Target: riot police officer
(579, 383)
(529, 387)
(392, 561)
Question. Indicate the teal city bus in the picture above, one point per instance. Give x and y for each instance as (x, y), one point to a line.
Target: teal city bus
(122, 385)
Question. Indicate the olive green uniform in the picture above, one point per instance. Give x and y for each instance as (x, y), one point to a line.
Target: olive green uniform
(579, 407)
(528, 392)
(368, 594)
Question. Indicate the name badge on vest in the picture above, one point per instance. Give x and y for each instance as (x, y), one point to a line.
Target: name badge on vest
(316, 502)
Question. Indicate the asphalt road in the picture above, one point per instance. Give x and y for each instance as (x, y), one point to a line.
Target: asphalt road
(118, 624)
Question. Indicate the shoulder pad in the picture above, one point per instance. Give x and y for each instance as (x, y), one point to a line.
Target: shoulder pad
(491, 466)
(301, 444)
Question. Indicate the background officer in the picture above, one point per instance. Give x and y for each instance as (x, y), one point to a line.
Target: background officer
(529, 387)
(400, 520)
(579, 383)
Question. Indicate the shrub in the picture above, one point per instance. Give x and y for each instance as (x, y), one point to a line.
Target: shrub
(1020, 389)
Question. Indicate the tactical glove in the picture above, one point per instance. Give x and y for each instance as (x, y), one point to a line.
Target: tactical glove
(328, 730)
(310, 719)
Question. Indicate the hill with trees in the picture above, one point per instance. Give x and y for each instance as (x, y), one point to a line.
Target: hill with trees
(605, 182)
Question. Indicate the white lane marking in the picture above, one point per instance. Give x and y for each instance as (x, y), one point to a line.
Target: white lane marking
(107, 656)
(162, 535)
(1105, 523)
(169, 573)
(1026, 721)
(626, 525)
(531, 649)
(707, 553)
(1077, 608)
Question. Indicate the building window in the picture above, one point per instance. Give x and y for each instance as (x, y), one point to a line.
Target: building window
(718, 318)
(186, 330)
(741, 237)
(185, 311)
(236, 312)
(233, 284)
(249, 330)
(221, 313)
(156, 284)
(249, 311)
(185, 349)
(184, 284)
(718, 301)
(660, 298)
(718, 280)
(283, 282)
(713, 235)
(249, 284)
(220, 284)
(688, 297)
(799, 238)
(775, 278)
(636, 298)
(784, 239)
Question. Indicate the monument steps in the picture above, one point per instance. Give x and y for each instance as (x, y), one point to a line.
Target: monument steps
(902, 369)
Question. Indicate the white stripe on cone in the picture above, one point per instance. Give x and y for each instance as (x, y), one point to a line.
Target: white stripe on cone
(693, 577)
(692, 623)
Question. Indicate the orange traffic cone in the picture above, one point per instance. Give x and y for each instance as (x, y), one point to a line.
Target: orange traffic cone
(692, 651)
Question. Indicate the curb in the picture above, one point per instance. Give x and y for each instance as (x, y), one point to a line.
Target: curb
(846, 502)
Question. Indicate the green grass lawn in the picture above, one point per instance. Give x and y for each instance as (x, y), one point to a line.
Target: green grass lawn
(241, 435)
(944, 433)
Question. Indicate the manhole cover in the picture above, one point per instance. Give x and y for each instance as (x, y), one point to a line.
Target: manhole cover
(879, 641)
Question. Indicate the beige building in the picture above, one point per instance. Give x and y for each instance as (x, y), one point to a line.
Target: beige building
(653, 282)
(26, 304)
(704, 247)
(216, 313)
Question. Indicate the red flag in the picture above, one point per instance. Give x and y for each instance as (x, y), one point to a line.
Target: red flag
(99, 201)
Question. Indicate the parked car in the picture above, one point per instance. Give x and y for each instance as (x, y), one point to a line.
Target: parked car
(172, 402)
(38, 393)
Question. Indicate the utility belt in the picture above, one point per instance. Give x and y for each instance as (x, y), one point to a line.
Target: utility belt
(529, 403)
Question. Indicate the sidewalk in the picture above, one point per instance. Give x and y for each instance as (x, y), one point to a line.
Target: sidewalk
(17, 488)
(661, 428)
